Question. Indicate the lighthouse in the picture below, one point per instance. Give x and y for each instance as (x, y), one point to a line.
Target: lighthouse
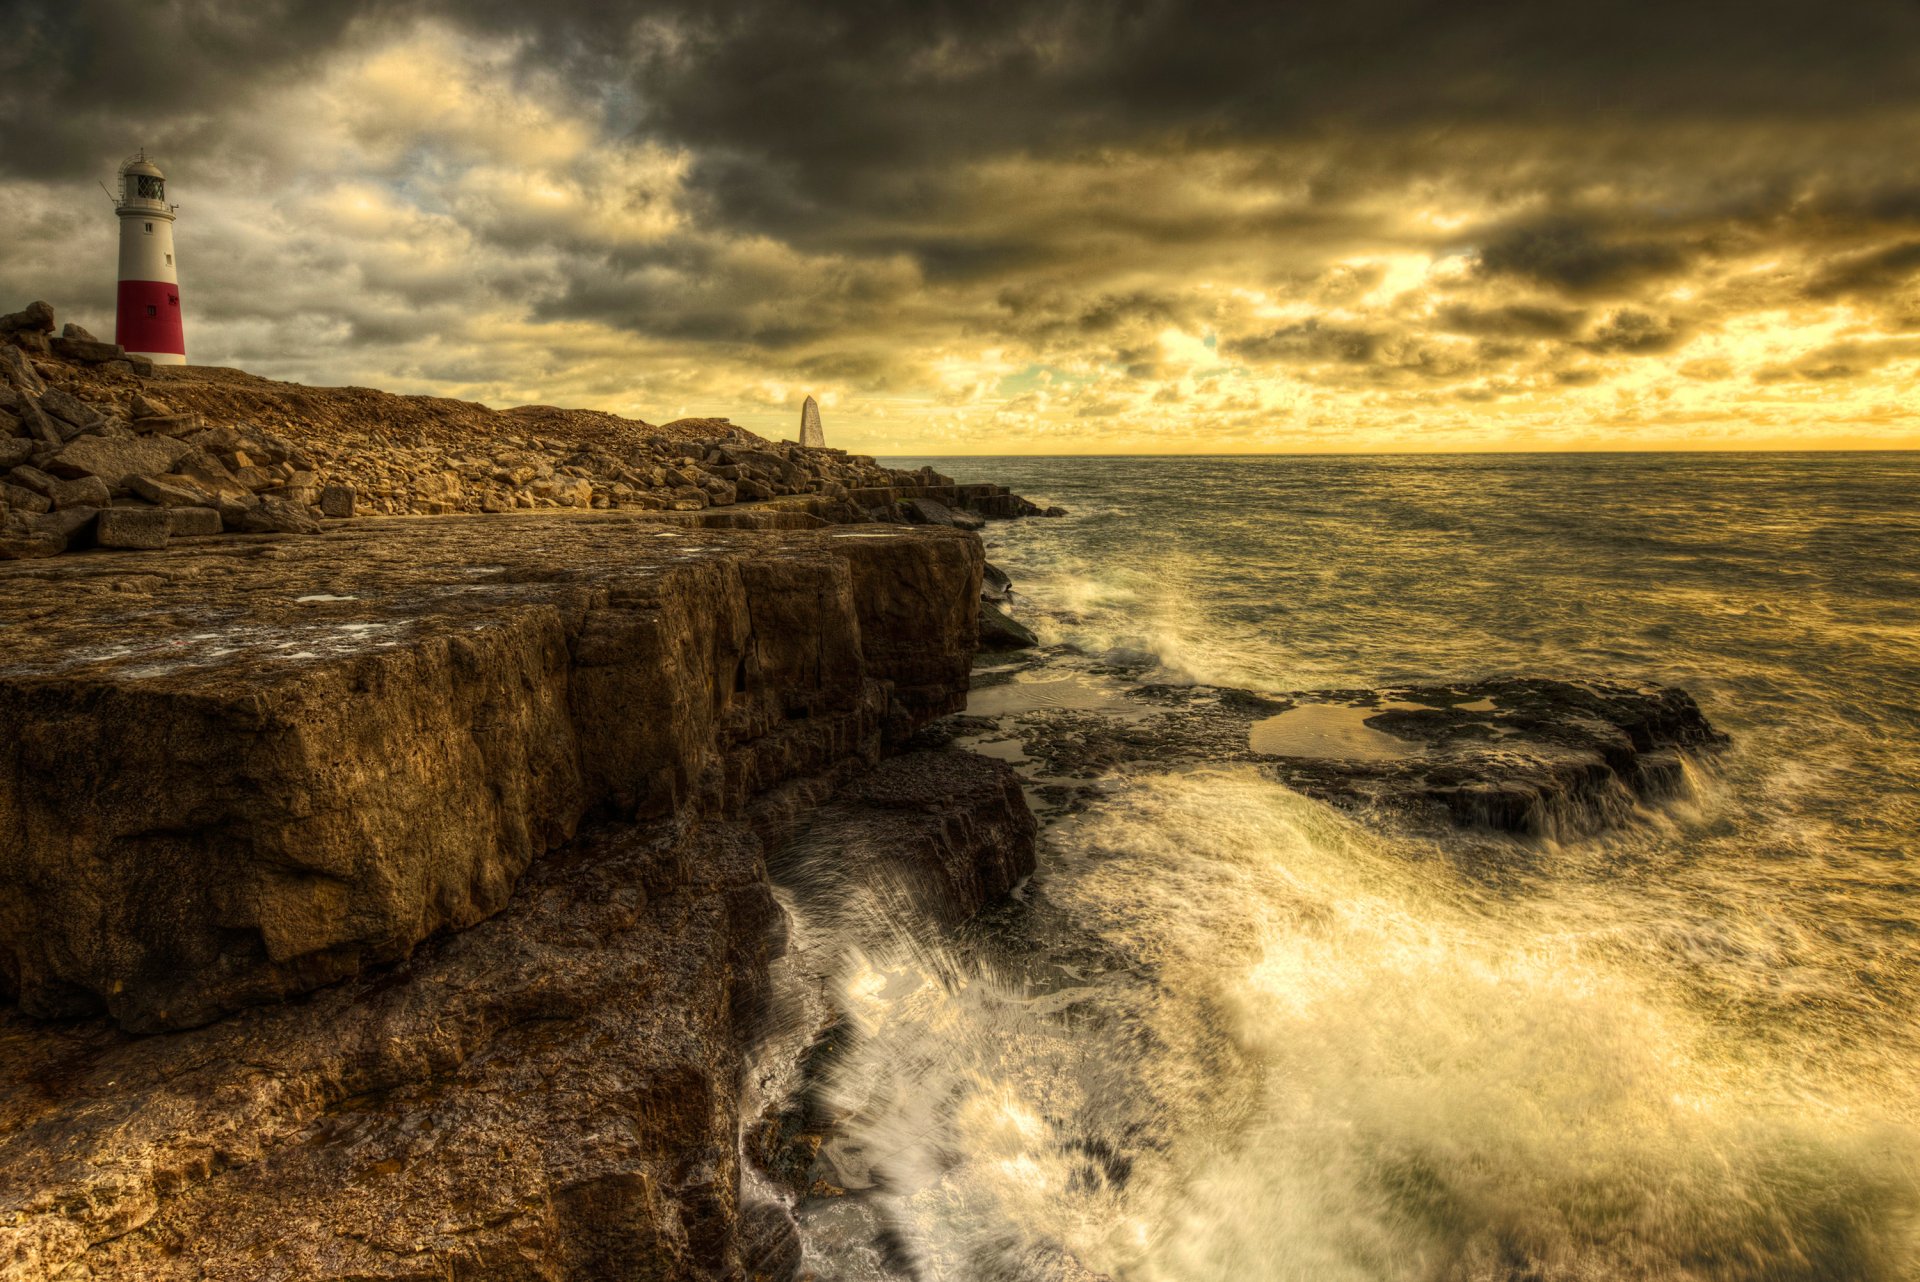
(148, 321)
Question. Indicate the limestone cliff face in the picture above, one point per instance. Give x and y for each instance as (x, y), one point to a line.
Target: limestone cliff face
(280, 771)
(443, 844)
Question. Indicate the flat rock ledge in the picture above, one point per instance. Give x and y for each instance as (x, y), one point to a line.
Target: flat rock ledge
(248, 771)
(442, 852)
(1522, 756)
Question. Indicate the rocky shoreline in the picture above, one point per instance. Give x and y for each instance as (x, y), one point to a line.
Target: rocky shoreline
(395, 904)
(401, 898)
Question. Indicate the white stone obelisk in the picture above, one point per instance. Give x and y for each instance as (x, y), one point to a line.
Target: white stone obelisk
(810, 433)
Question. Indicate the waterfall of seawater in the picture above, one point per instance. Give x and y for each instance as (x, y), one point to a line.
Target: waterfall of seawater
(1231, 1033)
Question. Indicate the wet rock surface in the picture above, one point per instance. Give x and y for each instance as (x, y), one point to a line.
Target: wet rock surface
(1524, 756)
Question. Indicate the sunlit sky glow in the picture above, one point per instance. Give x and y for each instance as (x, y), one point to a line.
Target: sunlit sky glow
(1046, 227)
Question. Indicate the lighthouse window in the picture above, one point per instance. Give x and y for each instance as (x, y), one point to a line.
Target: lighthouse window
(152, 310)
(150, 188)
(149, 227)
(173, 299)
(169, 260)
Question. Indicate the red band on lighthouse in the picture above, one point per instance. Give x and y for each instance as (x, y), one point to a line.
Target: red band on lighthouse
(149, 318)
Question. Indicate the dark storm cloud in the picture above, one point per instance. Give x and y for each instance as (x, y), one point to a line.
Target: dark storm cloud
(1310, 341)
(824, 103)
(1636, 333)
(83, 82)
(1867, 275)
(1366, 195)
(1514, 320)
(1574, 258)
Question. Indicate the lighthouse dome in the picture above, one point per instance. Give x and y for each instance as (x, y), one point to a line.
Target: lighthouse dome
(143, 188)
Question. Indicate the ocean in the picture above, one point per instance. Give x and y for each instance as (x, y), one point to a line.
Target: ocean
(1234, 1033)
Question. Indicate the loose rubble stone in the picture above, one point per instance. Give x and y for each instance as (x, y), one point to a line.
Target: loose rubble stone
(117, 462)
(133, 527)
(73, 524)
(277, 516)
(194, 521)
(169, 491)
(76, 413)
(71, 330)
(146, 405)
(32, 478)
(81, 349)
(21, 541)
(18, 371)
(23, 499)
(35, 317)
(85, 491)
(40, 425)
(14, 450)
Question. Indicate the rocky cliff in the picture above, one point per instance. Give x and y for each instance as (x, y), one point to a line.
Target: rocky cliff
(393, 903)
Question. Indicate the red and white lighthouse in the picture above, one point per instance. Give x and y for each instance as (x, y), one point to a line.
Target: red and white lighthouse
(148, 321)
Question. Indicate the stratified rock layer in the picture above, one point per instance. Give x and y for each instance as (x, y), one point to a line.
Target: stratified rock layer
(251, 770)
(552, 1092)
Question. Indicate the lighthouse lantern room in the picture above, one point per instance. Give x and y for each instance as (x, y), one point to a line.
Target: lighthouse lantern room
(148, 320)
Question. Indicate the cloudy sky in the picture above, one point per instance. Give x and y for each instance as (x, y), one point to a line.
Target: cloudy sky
(1044, 227)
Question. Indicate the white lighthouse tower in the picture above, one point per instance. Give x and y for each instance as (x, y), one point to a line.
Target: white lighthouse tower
(148, 321)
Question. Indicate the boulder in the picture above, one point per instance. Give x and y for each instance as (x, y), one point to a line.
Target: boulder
(33, 479)
(1001, 631)
(74, 525)
(41, 426)
(19, 372)
(168, 425)
(187, 522)
(234, 509)
(71, 330)
(169, 491)
(22, 499)
(995, 583)
(133, 527)
(34, 318)
(210, 474)
(278, 516)
(927, 512)
(20, 540)
(84, 491)
(250, 798)
(118, 461)
(14, 450)
(336, 501)
(145, 405)
(87, 350)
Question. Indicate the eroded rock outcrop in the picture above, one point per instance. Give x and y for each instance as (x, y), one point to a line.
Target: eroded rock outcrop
(262, 774)
(277, 763)
(1525, 756)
